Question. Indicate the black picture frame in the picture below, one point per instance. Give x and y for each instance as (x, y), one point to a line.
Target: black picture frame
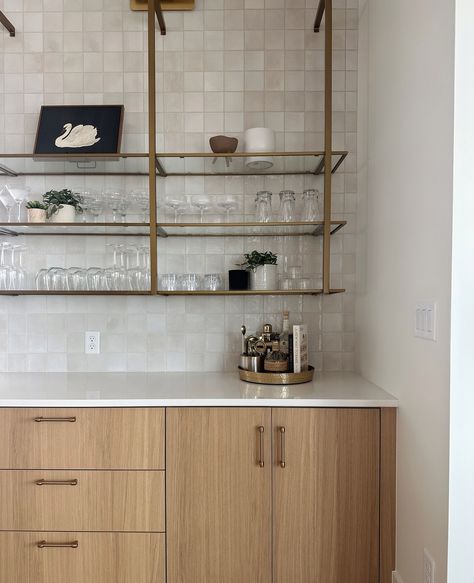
(63, 128)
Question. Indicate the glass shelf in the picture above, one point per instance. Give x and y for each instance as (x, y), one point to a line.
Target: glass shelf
(237, 164)
(97, 229)
(33, 292)
(277, 292)
(247, 229)
(167, 164)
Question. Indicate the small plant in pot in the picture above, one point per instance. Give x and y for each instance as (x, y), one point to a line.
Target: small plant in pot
(263, 270)
(62, 205)
(36, 211)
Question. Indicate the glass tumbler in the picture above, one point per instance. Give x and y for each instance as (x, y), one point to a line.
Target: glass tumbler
(287, 205)
(263, 206)
(310, 205)
(213, 282)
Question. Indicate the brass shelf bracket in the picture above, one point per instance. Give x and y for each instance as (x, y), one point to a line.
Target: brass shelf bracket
(160, 17)
(7, 24)
(319, 15)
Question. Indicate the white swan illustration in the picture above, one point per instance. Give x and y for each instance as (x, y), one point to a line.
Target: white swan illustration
(79, 137)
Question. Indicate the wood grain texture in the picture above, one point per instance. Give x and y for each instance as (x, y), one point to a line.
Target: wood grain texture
(99, 558)
(388, 468)
(128, 438)
(218, 497)
(326, 498)
(101, 501)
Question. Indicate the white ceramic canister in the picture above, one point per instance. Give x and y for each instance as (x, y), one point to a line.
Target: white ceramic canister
(66, 214)
(264, 277)
(259, 140)
(36, 215)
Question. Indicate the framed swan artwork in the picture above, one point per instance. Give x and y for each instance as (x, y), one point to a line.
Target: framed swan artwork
(79, 129)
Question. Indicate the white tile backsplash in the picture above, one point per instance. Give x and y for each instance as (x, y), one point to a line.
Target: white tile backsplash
(226, 66)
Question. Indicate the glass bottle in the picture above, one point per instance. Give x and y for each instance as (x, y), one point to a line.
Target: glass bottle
(276, 360)
(285, 332)
(287, 205)
(311, 209)
(263, 206)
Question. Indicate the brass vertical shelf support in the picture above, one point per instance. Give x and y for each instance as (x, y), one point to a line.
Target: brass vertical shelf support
(319, 15)
(7, 24)
(152, 144)
(327, 149)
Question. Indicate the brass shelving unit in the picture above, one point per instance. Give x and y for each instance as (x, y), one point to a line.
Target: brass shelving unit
(160, 165)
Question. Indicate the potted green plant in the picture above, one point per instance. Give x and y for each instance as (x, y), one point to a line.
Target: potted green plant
(263, 270)
(36, 211)
(62, 205)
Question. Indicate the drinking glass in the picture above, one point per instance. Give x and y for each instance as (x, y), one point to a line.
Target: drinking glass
(176, 205)
(5, 266)
(227, 205)
(169, 282)
(263, 206)
(142, 202)
(18, 274)
(287, 205)
(202, 203)
(8, 202)
(213, 282)
(20, 196)
(95, 208)
(189, 281)
(113, 198)
(311, 205)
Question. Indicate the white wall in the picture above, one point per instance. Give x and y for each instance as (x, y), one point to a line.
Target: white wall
(406, 190)
(461, 505)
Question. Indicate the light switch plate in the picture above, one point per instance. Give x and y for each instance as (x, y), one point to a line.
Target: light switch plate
(425, 320)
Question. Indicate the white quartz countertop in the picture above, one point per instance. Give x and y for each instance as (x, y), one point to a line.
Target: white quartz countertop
(168, 389)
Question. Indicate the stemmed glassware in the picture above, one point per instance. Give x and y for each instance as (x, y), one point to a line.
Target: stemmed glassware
(228, 204)
(7, 202)
(177, 205)
(202, 203)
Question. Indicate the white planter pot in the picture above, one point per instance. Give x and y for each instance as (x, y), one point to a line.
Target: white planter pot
(36, 215)
(259, 140)
(265, 277)
(67, 214)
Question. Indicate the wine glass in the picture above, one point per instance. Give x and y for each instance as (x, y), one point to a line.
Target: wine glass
(19, 195)
(176, 205)
(227, 205)
(202, 203)
(7, 201)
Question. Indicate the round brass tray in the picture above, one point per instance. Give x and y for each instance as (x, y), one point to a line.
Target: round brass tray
(277, 378)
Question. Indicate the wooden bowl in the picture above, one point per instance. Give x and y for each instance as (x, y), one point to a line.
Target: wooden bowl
(223, 144)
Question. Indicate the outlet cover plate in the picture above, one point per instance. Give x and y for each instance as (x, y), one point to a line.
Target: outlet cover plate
(425, 320)
(428, 567)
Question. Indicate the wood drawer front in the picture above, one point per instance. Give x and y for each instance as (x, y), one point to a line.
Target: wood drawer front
(99, 558)
(119, 438)
(100, 501)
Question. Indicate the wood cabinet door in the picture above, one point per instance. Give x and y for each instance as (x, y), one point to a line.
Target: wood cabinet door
(326, 495)
(81, 500)
(84, 438)
(218, 495)
(72, 557)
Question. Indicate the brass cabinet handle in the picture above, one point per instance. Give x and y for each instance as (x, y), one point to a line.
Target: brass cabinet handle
(261, 460)
(74, 482)
(46, 545)
(55, 419)
(282, 447)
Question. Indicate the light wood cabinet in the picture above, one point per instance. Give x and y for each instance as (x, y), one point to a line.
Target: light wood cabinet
(326, 495)
(218, 490)
(315, 503)
(98, 558)
(129, 439)
(82, 500)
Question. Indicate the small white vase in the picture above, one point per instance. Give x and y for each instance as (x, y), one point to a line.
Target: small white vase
(66, 214)
(259, 140)
(36, 215)
(265, 277)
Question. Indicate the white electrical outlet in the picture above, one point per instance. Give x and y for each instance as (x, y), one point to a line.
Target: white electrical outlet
(92, 343)
(425, 320)
(428, 568)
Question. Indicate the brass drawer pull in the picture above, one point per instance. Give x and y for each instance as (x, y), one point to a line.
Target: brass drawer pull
(282, 447)
(55, 419)
(261, 460)
(57, 482)
(46, 545)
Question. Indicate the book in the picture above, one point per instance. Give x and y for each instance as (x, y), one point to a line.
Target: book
(300, 348)
(290, 353)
